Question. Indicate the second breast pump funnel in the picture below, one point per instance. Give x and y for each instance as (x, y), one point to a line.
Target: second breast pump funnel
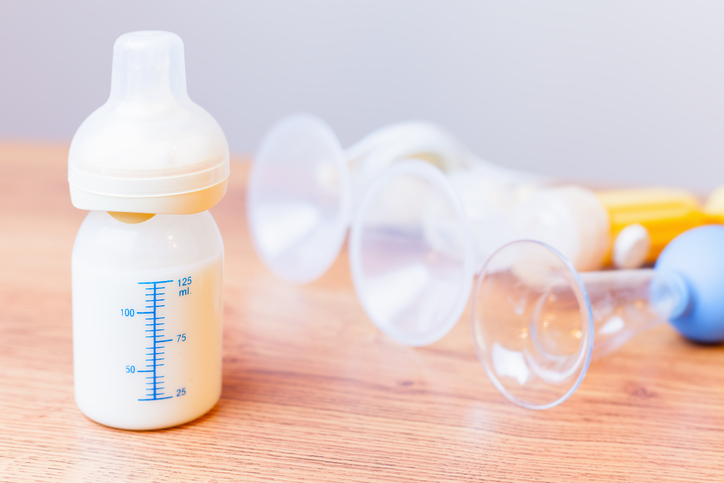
(413, 282)
(537, 322)
(418, 238)
(304, 186)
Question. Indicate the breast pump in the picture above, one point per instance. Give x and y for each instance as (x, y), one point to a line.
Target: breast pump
(147, 262)
(534, 316)
(304, 188)
(413, 273)
(537, 322)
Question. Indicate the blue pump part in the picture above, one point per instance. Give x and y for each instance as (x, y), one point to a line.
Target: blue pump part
(697, 256)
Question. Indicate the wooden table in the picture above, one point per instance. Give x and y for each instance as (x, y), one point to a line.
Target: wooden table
(313, 392)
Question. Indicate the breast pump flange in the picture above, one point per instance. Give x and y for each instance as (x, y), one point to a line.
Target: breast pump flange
(413, 291)
(304, 187)
(415, 244)
(147, 263)
(537, 322)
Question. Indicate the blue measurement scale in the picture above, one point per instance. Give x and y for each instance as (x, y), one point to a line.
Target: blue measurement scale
(157, 338)
(154, 331)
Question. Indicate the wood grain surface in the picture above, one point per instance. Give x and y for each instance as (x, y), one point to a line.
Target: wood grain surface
(312, 392)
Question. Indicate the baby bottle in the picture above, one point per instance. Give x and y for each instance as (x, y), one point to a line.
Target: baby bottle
(148, 259)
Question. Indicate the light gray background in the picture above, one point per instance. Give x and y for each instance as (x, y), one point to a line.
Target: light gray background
(626, 91)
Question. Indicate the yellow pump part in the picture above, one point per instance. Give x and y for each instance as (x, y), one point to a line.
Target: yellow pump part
(664, 212)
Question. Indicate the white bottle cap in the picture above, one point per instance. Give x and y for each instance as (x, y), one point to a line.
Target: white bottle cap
(149, 148)
(631, 247)
(571, 220)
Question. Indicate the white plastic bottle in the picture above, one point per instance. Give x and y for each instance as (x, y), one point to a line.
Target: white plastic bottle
(147, 262)
(147, 319)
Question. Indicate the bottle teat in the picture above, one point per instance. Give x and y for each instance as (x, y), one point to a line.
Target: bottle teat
(149, 148)
(148, 71)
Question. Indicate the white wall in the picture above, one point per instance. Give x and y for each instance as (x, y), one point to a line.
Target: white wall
(621, 91)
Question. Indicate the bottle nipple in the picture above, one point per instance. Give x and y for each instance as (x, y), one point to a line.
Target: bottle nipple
(148, 72)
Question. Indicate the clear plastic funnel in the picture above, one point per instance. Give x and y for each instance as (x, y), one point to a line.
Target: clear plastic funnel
(417, 239)
(411, 254)
(537, 322)
(298, 199)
